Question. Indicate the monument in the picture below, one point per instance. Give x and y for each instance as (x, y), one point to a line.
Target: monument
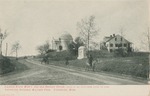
(62, 42)
(81, 52)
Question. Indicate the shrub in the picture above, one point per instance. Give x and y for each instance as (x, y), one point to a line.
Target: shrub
(6, 65)
(50, 50)
(120, 52)
(100, 54)
(61, 55)
(140, 54)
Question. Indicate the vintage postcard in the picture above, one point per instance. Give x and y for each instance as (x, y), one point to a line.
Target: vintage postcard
(74, 48)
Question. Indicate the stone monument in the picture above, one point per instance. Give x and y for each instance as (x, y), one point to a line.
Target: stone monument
(81, 52)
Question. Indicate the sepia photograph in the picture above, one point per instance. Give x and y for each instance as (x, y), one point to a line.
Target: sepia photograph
(68, 42)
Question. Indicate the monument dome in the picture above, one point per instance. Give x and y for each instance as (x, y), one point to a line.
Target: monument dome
(66, 36)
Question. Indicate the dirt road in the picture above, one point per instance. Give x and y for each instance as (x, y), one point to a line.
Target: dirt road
(41, 74)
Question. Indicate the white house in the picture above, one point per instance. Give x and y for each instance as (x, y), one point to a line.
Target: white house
(114, 42)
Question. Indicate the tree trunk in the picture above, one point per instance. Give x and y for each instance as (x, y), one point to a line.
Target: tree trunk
(1, 48)
(148, 73)
(149, 67)
(88, 41)
(6, 49)
(149, 56)
(16, 54)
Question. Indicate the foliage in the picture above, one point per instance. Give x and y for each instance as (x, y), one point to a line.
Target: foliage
(120, 52)
(4, 35)
(100, 54)
(145, 54)
(61, 55)
(78, 42)
(50, 50)
(73, 48)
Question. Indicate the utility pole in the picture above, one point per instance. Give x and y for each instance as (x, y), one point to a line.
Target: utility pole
(88, 41)
(6, 49)
(148, 37)
(1, 39)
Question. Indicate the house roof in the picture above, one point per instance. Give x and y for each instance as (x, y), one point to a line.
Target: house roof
(110, 38)
(106, 39)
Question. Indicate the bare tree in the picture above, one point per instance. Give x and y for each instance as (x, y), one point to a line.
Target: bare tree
(2, 37)
(146, 43)
(95, 45)
(40, 49)
(148, 39)
(43, 48)
(15, 47)
(87, 29)
(121, 31)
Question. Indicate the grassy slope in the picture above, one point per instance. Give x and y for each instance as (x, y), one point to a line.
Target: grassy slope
(18, 67)
(136, 66)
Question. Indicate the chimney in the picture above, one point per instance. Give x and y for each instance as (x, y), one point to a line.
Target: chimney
(113, 35)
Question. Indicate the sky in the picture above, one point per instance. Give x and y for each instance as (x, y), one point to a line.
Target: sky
(32, 22)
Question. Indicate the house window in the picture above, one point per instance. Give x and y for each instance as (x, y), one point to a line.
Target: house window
(111, 45)
(125, 45)
(60, 48)
(120, 45)
(116, 45)
(115, 39)
(111, 50)
(129, 45)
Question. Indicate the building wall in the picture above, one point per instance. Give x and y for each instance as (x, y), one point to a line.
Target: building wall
(63, 43)
(55, 45)
(114, 42)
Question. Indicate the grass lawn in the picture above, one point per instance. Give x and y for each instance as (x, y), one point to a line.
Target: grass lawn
(135, 66)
